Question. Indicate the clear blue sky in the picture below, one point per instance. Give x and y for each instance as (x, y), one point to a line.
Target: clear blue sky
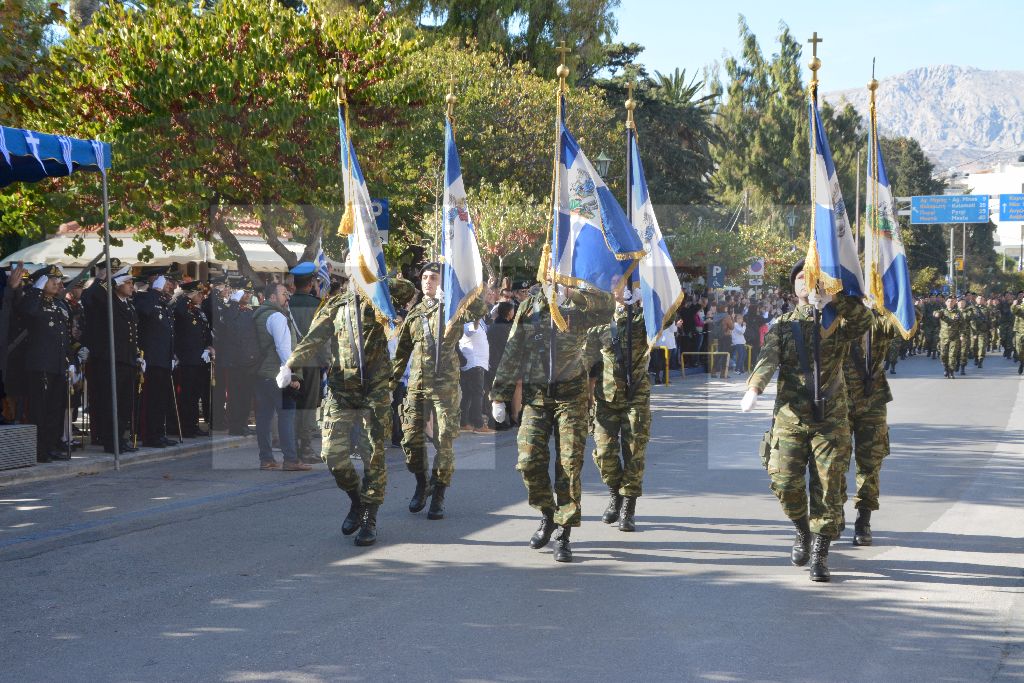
(902, 34)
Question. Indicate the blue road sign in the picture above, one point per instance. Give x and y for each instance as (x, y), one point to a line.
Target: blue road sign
(949, 208)
(716, 277)
(1011, 208)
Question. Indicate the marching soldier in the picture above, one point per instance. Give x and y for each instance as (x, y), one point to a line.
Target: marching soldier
(194, 350)
(868, 396)
(1017, 309)
(126, 362)
(951, 321)
(47, 361)
(156, 338)
(622, 412)
(805, 438)
(555, 402)
(967, 313)
(930, 326)
(1006, 320)
(431, 385)
(359, 388)
(979, 322)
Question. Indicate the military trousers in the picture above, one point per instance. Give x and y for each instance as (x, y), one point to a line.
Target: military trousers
(949, 352)
(342, 413)
(870, 428)
(306, 408)
(621, 433)
(807, 465)
(566, 420)
(47, 405)
(444, 400)
(980, 346)
(931, 340)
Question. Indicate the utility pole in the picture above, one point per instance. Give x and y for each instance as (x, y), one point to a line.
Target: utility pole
(963, 263)
(952, 281)
(856, 206)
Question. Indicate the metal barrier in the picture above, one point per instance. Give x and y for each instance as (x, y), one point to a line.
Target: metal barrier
(725, 369)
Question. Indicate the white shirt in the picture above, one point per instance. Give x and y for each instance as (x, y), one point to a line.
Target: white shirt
(474, 345)
(739, 332)
(277, 326)
(667, 339)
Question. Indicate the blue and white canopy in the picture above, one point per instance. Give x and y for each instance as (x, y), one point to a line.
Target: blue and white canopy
(28, 156)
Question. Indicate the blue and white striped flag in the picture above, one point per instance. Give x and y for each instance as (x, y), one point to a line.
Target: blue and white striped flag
(832, 259)
(365, 265)
(885, 260)
(323, 271)
(463, 270)
(592, 242)
(660, 290)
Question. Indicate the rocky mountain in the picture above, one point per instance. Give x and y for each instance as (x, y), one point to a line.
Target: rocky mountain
(964, 117)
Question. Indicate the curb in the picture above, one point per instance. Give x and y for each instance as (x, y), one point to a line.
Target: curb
(94, 463)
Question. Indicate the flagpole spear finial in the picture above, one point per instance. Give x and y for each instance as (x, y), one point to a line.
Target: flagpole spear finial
(562, 71)
(450, 99)
(339, 85)
(630, 106)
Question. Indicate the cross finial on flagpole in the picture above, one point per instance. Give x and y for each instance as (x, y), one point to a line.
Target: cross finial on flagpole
(815, 63)
(563, 70)
(814, 40)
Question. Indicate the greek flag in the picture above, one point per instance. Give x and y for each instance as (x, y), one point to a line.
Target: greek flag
(365, 262)
(832, 260)
(885, 260)
(463, 270)
(323, 271)
(660, 290)
(592, 242)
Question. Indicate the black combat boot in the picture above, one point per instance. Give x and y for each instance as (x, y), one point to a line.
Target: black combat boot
(1020, 368)
(963, 368)
(819, 559)
(562, 551)
(802, 543)
(981, 363)
(611, 513)
(368, 529)
(862, 527)
(420, 495)
(543, 533)
(355, 513)
(436, 510)
(892, 369)
(628, 510)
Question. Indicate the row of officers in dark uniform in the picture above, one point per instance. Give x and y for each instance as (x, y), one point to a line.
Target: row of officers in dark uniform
(166, 371)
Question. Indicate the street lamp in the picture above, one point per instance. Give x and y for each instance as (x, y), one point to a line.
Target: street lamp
(602, 163)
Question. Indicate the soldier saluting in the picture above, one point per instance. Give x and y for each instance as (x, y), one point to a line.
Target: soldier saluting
(48, 359)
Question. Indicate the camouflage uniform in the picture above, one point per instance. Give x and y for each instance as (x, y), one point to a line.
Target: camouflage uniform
(930, 329)
(1006, 329)
(1017, 309)
(558, 408)
(966, 338)
(951, 322)
(868, 394)
(619, 418)
(979, 324)
(799, 443)
(348, 399)
(429, 388)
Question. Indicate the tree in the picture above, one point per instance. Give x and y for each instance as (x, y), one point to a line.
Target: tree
(510, 226)
(23, 45)
(910, 173)
(763, 120)
(213, 108)
(526, 30)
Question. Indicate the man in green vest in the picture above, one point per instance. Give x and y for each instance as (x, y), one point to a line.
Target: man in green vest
(303, 306)
(276, 336)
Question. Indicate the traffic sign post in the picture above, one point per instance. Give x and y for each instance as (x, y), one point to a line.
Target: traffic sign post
(716, 277)
(1011, 208)
(949, 208)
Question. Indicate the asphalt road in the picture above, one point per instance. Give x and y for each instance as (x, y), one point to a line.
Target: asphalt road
(206, 569)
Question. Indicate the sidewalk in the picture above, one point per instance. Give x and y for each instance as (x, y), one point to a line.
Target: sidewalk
(93, 460)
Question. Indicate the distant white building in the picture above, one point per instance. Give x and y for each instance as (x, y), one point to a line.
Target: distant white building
(1001, 179)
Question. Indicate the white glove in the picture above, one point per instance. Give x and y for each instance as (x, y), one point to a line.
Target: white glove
(284, 377)
(83, 354)
(142, 364)
(498, 411)
(819, 300)
(205, 356)
(71, 374)
(749, 400)
(174, 364)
